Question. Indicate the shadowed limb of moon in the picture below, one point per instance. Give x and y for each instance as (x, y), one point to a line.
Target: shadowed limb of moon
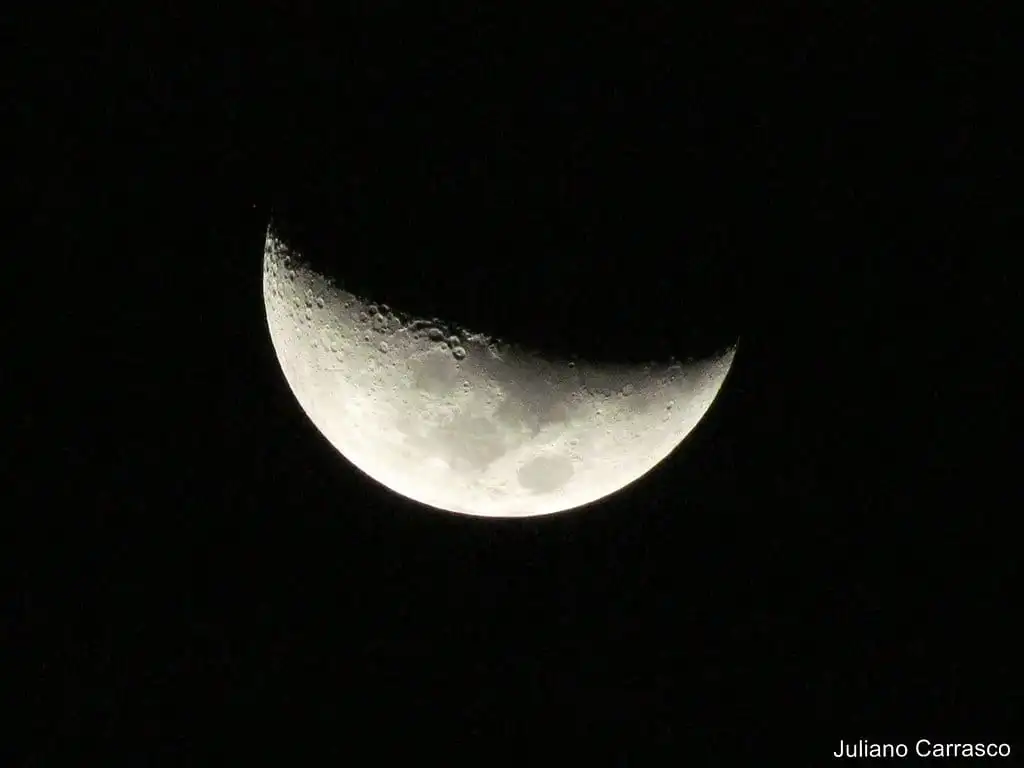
(463, 422)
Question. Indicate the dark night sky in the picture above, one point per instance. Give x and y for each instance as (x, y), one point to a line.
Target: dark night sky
(823, 558)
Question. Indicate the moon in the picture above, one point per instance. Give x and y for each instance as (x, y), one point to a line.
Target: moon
(463, 422)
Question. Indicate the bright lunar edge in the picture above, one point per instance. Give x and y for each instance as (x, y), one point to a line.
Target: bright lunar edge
(467, 423)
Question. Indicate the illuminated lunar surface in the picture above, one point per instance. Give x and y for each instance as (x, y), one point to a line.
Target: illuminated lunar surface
(465, 423)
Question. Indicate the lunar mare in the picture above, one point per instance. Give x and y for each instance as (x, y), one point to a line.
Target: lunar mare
(463, 422)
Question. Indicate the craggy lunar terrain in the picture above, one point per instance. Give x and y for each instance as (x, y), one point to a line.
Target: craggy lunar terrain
(466, 423)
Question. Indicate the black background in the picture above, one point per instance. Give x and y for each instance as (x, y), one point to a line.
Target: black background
(825, 557)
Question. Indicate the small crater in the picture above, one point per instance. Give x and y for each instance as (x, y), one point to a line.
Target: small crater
(435, 334)
(320, 301)
(627, 390)
(372, 309)
(545, 474)
(383, 347)
(459, 353)
(453, 341)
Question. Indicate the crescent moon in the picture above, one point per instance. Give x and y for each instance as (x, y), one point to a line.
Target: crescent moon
(463, 422)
